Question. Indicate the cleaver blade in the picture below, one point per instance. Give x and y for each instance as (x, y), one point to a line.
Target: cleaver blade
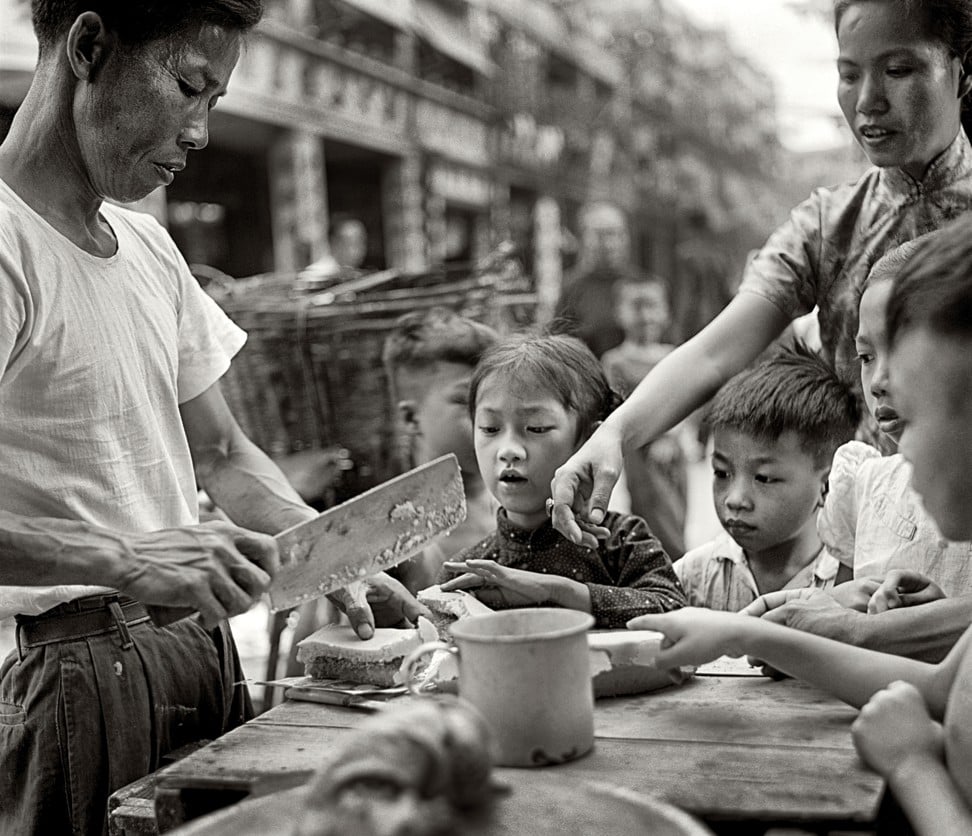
(369, 533)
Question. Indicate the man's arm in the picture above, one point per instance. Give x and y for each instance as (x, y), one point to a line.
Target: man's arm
(214, 568)
(252, 491)
(239, 477)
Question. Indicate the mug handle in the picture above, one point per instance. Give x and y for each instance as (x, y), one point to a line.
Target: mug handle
(413, 658)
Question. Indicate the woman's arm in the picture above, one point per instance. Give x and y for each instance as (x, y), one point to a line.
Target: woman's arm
(680, 383)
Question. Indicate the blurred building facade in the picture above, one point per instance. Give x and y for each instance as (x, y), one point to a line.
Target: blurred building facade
(447, 126)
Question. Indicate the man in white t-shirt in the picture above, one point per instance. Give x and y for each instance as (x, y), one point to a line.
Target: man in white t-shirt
(110, 411)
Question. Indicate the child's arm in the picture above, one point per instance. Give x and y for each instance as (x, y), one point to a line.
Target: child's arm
(503, 587)
(927, 632)
(896, 737)
(644, 578)
(852, 674)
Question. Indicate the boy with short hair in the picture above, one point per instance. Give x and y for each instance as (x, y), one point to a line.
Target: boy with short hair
(429, 359)
(914, 724)
(656, 478)
(775, 428)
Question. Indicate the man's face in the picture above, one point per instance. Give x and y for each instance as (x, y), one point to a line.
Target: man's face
(931, 380)
(350, 245)
(145, 108)
(437, 398)
(604, 237)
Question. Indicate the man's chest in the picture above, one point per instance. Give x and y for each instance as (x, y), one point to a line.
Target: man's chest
(98, 342)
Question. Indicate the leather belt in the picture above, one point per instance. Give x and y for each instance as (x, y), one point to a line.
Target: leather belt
(94, 615)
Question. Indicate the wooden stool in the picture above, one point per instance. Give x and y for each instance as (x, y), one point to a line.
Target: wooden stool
(131, 809)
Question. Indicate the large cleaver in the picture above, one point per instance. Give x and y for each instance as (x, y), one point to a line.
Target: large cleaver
(369, 533)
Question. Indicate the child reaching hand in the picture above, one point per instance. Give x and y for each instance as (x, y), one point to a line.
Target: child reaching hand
(534, 401)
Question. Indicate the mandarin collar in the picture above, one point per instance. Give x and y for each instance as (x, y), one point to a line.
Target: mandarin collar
(951, 165)
(542, 537)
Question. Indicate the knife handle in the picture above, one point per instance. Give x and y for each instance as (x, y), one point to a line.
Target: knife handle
(311, 694)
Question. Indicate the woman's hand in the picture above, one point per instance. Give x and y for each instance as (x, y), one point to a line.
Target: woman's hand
(581, 487)
(499, 586)
(693, 636)
(903, 588)
(895, 728)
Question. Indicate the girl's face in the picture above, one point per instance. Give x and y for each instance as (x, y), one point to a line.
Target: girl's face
(899, 90)
(872, 351)
(522, 435)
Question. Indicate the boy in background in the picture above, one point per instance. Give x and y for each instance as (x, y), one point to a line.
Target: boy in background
(656, 478)
(774, 430)
(429, 359)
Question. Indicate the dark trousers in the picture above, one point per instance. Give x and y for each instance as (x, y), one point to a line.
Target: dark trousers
(84, 716)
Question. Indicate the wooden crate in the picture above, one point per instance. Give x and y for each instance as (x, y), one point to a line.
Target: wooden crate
(311, 375)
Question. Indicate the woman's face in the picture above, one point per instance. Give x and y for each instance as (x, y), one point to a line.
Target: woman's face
(899, 90)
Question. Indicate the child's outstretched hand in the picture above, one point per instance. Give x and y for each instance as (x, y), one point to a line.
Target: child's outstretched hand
(693, 636)
(499, 586)
(903, 588)
(895, 727)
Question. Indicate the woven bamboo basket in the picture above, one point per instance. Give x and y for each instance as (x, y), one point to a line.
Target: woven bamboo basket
(310, 375)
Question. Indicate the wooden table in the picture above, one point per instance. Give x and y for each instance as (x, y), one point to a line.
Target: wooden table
(738, 751)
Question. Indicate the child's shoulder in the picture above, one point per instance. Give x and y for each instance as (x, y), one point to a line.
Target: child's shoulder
(485, 549)
(862, 466)
(627, 529)
(721, 547)
(850, 458)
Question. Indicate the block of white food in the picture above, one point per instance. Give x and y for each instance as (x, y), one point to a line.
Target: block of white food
(623, 662)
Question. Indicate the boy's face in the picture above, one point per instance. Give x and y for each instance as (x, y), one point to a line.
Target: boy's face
(435, 400)
(931, 376)
(765, 493)
(642, 311)
(873, 353)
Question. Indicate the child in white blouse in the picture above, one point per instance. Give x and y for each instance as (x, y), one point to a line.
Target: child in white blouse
(873, 521)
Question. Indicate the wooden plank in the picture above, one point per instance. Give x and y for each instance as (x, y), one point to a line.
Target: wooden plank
(713, 709)
(755, 782)
(731, 710)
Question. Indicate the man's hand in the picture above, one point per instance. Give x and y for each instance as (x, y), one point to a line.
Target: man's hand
(903, 588)
(581, 487)
(693, 636)
(499, 586)
(895, 727)
(217, 569)
(378, 600)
